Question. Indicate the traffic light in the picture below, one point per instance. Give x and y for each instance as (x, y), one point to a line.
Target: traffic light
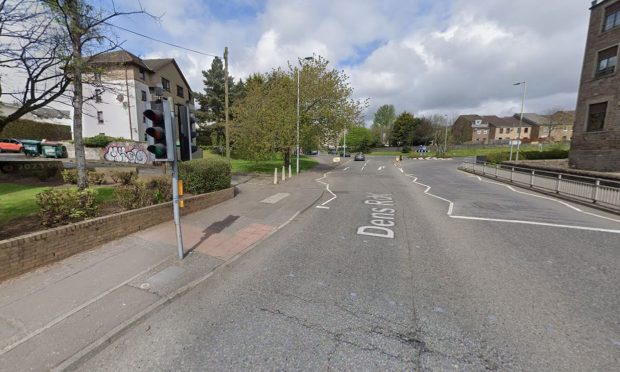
(160, 133)
(187, 133)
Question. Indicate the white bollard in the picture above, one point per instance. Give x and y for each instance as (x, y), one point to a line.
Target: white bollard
(290, 173)
(283, 173)
(275, 176)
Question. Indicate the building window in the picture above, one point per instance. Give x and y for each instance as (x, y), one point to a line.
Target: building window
(98, 95)
(142, 76)
(485, 132)
(525, 130)
(507, 130)
(478, 131)
(607, 60)
(165, 83)
(180, 91)
(501, 131)
(596, 117)
(612, 17)
(100, 117)
(143, 96)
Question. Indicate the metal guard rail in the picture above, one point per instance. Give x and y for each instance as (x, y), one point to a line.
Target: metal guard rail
(603, 192)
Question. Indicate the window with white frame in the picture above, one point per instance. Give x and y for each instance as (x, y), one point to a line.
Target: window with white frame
(100, 117)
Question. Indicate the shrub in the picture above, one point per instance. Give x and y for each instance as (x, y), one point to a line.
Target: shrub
(205, 175)
(141, 193)
(62, 206)
(133, 196)
(161, 189)
(124, 177)
(405, 149)
(96, 178)
(69, 176)
(101, 140)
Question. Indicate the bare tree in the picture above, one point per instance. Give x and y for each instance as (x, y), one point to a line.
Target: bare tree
(84, 28)
(34, 52)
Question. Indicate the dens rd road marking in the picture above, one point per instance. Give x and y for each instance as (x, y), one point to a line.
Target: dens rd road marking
(382, 217)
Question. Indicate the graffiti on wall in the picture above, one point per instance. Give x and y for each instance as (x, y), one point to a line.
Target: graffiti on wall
(126, 153)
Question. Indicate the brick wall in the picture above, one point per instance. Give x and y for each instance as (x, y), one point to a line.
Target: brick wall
(599, 151)
(21, 254)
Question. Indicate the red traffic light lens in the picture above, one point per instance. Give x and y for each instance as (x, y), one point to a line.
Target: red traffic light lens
(156, 132)
(153, 116)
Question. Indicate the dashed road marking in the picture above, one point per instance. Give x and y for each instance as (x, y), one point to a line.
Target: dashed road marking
(275, 198)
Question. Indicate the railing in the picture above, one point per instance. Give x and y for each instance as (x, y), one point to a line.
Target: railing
(603, 192)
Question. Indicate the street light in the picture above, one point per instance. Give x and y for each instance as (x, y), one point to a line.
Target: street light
(445, 139)
(298, 82)
(524, 83)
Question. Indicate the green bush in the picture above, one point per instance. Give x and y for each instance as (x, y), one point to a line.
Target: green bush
(553, 153)
(96, 178)
(141, 193)
(124, 177)
(405, 149)
(69, 176)
(62, 206)
(161, 188)
(205, 175)
(34, 130)
(101, 140)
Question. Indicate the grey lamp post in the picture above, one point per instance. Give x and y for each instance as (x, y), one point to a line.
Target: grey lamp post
(524, 83)
(298, 83)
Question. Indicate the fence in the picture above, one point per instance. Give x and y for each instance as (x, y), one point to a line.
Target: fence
(603, 192)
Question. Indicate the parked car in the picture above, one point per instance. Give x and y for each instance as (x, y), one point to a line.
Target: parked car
(10, 145)
(421, 149)
(332, 152)
(360, 157)
(347, 155)
(313, 152)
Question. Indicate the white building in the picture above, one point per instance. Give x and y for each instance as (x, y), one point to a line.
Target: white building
(121, 91)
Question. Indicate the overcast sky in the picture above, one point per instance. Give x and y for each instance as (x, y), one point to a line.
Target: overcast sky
(423, 56)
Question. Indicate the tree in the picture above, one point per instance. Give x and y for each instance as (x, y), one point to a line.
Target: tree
(212, 100)
(360, 139)
(402, 130)
(34, 49)
(383, 121)
(265, 118)
(82, 27)
(422, 132)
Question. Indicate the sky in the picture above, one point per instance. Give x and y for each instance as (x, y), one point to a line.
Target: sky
(423, 56)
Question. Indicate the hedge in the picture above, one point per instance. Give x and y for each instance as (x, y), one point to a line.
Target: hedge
(101, 140)
(205, 175)
(34, 130)
(528, 155)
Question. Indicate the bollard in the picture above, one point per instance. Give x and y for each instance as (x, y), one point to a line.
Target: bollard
(275, 176)
(283, 173)
(532, 178)
(290, 173)
(557, 184)
(595, 191)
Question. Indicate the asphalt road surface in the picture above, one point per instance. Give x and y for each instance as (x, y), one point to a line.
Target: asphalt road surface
(409, 267)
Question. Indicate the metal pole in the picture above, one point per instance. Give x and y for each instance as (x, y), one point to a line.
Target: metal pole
(175, 204)
(226, 103)
(521, 119)
(345, 144)
(298, 82)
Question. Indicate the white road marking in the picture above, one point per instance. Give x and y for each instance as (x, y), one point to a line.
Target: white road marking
(347, 168)
(322, 207)
(364, 166)
(381, 167)
(547, 198)
(401, 170)
(275, 198)
(451, 209)
(326, 188)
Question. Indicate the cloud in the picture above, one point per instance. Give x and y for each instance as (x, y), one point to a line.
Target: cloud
(423, 56)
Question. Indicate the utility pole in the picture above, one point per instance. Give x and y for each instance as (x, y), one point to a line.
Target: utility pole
(298, 81)
(226, 103)
(521, 118)
(445, 139)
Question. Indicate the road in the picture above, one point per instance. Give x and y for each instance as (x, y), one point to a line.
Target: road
(476, 276)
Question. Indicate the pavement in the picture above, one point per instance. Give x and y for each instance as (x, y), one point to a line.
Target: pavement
(62, 313)
(388, 266)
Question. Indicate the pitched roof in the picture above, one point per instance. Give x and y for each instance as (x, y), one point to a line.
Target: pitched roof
(534, 119)
(157, 64)
(118, 57)
(512, 122)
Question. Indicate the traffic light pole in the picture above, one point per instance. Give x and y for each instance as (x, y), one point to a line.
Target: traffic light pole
(175, 205)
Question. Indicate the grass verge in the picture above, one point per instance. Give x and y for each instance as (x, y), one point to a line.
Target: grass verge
(264, 166)
(20, 200)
